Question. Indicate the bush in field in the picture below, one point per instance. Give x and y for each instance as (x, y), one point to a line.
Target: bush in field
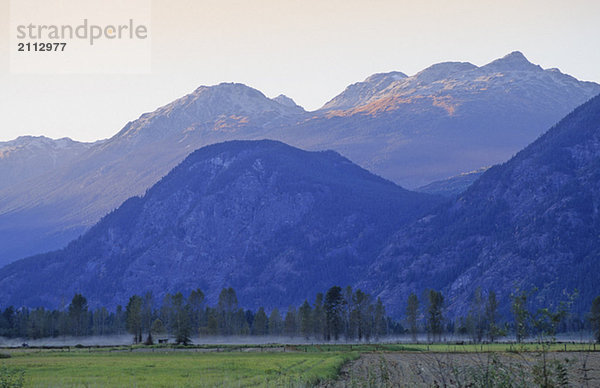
(493, 373)
(551, 373)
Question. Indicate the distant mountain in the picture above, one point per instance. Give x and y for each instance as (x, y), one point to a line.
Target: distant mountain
(360, 93)
(29, 157)
(533, 221)
(48, 212)
(286, 101)
(453, 186)
(274, 222)
(449, 118)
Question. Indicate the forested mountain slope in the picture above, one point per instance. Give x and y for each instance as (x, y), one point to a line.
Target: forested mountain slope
(274, 222)
(533, 221)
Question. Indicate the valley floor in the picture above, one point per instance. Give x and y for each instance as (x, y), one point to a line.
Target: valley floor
(469, 370)
(374, 365)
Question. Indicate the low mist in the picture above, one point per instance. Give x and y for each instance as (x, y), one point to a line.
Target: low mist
(127, 339)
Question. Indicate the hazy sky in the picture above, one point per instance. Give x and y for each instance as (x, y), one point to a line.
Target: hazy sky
(308, 50)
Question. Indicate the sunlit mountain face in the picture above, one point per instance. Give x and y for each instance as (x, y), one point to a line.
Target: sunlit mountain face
(446, 120)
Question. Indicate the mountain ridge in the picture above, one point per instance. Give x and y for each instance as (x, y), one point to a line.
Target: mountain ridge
(531, 222)
(415, 133)
(268, 219)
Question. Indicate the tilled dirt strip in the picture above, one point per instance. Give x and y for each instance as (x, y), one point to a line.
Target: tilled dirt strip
(579, 369)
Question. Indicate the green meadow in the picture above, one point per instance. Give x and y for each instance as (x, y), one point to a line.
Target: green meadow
(225, 366)
(83, 368)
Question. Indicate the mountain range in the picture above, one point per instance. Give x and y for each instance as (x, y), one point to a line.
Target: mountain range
(450, 118)
(30, 157)
(274, 222)
(278, 223)
(532, 222)
(453, 186)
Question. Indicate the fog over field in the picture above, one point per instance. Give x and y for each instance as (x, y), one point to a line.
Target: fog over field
(127, 339)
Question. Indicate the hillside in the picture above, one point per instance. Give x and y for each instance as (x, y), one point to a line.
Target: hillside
(533, 221)
(453, 186)
(30, 157)
(450, 118)
(274, 222)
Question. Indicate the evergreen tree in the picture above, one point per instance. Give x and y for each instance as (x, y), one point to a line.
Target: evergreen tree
(212, 321)
(347, 307)
(361, 316)
(100, 321)
(435, 318)
(333, 313)
(491, 311)
(181, 322)
(8, 317)
(381, 328)
(521, 314)
(197, 308)
(158, 327)
(250, 316)
(259, 326)
(412, 315)
(306, 324)
(166, 312)
(133, 318)
(22, 321)
(37, 325)
(476, 324)
(318, 318)
(240, 323)
(78, 315)
(275, 322)
(355, 318)
(290, 328)
(119, 321)
(147, 305)
(227, 308)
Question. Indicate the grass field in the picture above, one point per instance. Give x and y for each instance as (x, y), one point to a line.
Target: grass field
(225, 366)
(176, 369)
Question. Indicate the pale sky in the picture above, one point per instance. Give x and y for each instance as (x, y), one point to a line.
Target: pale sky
(309, 50)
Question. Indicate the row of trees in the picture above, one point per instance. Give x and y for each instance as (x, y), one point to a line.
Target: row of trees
(339, 313)
(483, 319)
(75, 320)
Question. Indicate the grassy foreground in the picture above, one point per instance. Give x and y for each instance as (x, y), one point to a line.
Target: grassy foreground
(226, 366)
(175, 369)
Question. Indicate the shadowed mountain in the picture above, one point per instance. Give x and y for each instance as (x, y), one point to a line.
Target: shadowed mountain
(46, 213)
(449, 118)
(533, 221)
(274, 222)
(453, 186)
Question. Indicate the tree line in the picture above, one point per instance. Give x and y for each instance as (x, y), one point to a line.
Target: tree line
(339, 313)
(336, 314)
(483, 322)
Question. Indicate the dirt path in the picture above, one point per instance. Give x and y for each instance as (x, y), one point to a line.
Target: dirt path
(579, 369)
